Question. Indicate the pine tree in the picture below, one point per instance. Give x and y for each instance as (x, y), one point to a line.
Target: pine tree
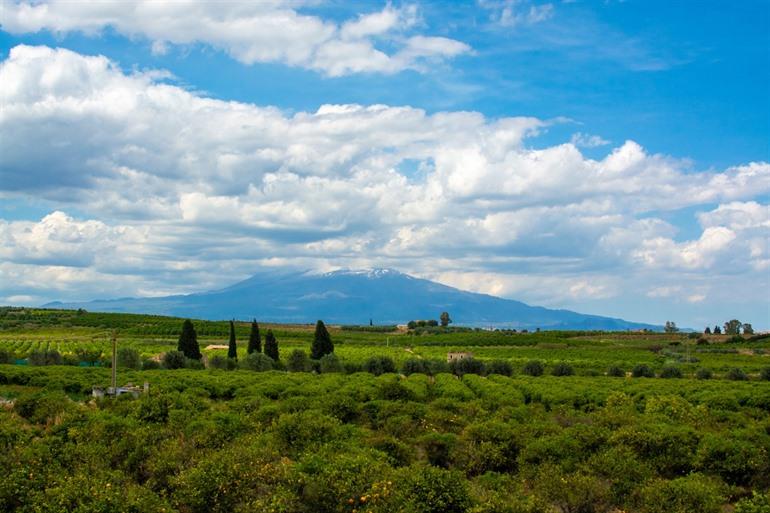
(271, 345)
(232, 349)
(707, 331)
(188, 341)
(255, 339)
(322, 342)
(717, 330)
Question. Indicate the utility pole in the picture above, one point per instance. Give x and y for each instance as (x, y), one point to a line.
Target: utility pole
(114, 362)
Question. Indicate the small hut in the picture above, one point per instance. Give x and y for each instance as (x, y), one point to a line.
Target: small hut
(451, 357)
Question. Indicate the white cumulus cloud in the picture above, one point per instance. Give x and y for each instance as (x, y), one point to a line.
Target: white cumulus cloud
(177, 191)
(251, 32)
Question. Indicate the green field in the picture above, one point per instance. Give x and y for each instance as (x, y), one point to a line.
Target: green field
(236, 441)
(23, 331)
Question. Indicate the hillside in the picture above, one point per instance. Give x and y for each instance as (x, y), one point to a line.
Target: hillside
(354, 297)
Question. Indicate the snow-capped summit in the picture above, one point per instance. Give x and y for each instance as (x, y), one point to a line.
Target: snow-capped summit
(386, 296)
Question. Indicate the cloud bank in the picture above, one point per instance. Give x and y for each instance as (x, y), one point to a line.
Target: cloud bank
(250, 32)
(177, 192)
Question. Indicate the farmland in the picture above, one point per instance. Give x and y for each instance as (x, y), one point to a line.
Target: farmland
(450, 439)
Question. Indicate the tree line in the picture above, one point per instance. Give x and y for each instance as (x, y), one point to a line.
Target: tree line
(188, 353)
(731, 327)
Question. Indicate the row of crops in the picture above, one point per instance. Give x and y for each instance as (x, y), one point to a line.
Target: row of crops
(219, 441)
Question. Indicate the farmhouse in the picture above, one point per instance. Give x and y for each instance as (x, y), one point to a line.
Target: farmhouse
(451, 357)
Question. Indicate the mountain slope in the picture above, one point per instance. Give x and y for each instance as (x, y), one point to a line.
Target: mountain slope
(354, 297)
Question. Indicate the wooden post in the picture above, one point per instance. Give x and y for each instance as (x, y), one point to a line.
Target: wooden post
(114, 363)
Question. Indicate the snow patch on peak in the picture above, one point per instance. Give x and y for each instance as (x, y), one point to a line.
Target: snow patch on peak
(369, 273)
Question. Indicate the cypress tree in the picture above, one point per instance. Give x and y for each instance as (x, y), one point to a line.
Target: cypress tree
(271, 345)
(188, 341)
(322, 342)
(255, 339)
(232, 349)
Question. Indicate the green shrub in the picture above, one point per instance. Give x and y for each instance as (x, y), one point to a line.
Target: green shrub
(501, 367)
(193, 363)
(415, 366)
(297, 431)
(41, 407)
(174, 360)
(622, 469)
(468, 365)
(682, 495)
(616, 371)
(352, 367)
(438, 448)
(399, 453)
(6, 357)
(393, 390)
(257, 362)
(330, 363)
(436, 366)
(97, 491)
(92, 356)
(150, 364)
(736, 374)
(737, 462)
(298, 361)
(703, 373)
(642, 371)
(45, 357)
(355, 478)
(70, 359)
(487, 446)
(129, 357)
(432, 490)
(379, 365)
(575, 492)
(239, 478)
(562, 369)
(670, 371)
(764, 374)
(533, 368)
(221, 362)
(757, 503)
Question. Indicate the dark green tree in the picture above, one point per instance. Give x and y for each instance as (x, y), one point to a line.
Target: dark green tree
(445, 320)
(748, 329)
(271, 345)
(670, 327)
(707, 331)
(322, 342)
(733, 327)
(255, 339)
(188, 341)
(232, 347)
(717, 330)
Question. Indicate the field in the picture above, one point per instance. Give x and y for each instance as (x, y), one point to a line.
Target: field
(448, 440)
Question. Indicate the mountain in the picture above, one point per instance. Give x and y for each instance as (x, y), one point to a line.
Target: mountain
(353, 297)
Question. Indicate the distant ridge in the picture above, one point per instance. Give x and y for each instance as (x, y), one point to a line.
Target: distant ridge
(386, 296)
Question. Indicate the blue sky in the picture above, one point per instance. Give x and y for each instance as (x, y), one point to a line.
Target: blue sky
(609, 157)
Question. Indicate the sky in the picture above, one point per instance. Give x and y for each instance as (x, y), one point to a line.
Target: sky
(606, 157)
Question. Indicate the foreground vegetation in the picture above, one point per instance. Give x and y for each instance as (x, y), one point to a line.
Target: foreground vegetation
(573, 437)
